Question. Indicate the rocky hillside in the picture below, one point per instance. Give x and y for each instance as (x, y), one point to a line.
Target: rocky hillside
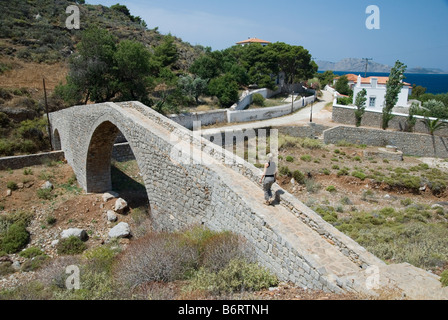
(359, 65)
(35, 43)
(352, 64)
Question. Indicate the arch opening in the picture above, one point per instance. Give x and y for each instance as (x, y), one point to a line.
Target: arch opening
(108, 170)
(57, 140)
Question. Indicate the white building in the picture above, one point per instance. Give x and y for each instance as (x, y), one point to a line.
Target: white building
(376, 92)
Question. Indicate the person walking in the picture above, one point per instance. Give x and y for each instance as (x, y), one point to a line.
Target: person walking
(268, 178)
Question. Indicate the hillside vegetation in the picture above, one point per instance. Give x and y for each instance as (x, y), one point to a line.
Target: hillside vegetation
(35, 44)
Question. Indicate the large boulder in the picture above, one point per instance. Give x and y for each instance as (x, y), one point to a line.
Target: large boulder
(121, 206)
(121, 230)
(75, 232)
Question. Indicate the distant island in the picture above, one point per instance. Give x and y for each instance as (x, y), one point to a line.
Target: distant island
(359, 65)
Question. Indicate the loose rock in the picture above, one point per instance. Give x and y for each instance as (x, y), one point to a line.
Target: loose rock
(47, 185)
(79, 233)
(111, 216)
(121, 230)
(109, 195)
(121, 206)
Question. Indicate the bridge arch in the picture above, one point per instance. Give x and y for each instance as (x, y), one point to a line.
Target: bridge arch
(99, 156)
(56, 140)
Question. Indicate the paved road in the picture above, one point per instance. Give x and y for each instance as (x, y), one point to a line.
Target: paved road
(302, 116)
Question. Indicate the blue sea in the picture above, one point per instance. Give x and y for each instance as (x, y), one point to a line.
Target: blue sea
(434, 83)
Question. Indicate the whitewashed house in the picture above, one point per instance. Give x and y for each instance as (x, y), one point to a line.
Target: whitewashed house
(376, 92)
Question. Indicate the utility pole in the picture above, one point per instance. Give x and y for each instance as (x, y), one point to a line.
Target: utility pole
(367, 65)
(48, 117)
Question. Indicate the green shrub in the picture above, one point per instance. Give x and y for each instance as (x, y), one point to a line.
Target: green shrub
(306, 158)
(298, 176)
(44, 194)
(238, 276)
(258, 99)
(101, 259)
(4, 120)
(34, 264)
(343, 172)
(331, 189)
(31, 253)
(444, 278)
(285, 171)
(12, 185)
(360, 175)
(7, 147)
(51, 220)
(5, 269)
(312, 144)
(326, 172)
(27, 171)
(95, 286)
(71, 246)
(290, 159)
(15, 238)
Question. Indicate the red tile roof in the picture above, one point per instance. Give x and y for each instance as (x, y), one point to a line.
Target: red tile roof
(253, 40)
(381, 80)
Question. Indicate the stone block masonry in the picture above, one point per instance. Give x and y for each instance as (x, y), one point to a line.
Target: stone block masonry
(414, 144)
(190, 180)
(371, 118)
(19, 162)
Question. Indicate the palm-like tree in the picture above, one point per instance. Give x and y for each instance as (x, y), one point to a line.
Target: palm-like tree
(433, 125)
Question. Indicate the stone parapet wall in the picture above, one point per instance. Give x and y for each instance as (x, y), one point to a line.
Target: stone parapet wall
(268, 113)
(205, 118)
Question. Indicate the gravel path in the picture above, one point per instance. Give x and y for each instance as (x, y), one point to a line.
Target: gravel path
(302, 115)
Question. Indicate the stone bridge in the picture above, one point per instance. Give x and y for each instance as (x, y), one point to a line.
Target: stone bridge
(190, 180)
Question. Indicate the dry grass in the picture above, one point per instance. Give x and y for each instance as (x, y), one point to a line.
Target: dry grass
(30, 74)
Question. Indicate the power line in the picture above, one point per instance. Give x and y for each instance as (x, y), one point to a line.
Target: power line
(367, 65)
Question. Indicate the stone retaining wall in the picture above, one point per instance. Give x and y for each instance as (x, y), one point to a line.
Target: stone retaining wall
(19, 162)
(414, 144)
(346, 115)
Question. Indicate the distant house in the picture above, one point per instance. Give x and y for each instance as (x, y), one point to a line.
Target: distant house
(376, 91)
(253, 40)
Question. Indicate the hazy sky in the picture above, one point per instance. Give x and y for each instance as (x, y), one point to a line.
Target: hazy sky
(414, 32)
